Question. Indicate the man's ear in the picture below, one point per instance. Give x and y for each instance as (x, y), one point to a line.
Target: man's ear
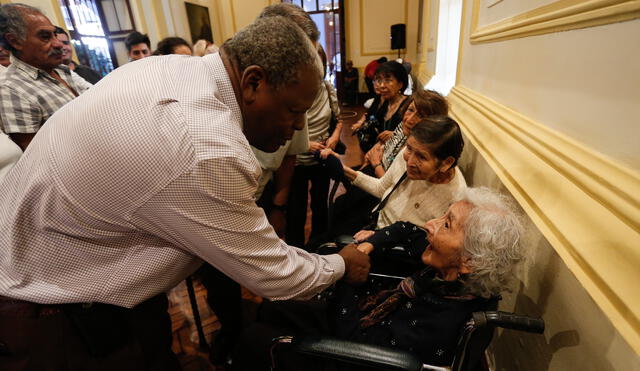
(15, 42)
(253, 80)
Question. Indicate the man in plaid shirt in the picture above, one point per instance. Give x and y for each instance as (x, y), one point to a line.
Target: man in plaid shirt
(36, 84)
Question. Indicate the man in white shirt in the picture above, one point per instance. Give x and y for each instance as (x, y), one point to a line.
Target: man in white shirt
(128, 188)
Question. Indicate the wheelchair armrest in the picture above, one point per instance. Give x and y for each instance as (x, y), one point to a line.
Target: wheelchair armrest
(357, 353)
(509, 320)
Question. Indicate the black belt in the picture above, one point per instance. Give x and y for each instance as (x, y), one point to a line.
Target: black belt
(21, 308)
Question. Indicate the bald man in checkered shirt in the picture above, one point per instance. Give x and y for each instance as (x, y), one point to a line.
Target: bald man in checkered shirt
(128, 188)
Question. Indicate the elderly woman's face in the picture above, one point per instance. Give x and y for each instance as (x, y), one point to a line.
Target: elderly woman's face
(410, 119)
(446, 239)
(388, 86)
(421, 163)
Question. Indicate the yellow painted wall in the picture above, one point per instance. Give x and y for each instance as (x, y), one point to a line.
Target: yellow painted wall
(550, 112)
(367, 27)
(50, 8)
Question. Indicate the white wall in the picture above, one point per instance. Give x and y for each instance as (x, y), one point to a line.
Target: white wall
(584, 83)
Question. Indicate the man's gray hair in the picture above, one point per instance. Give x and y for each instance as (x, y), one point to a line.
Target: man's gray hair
(277, 45)
(492, 240)
(12, 21)
(295, 14)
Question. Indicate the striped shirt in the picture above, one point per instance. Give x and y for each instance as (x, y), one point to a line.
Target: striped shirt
(131, 185)
(29, 96)
(393, 146)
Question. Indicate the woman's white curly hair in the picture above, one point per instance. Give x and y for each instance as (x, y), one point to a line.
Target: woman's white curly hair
(493, 240)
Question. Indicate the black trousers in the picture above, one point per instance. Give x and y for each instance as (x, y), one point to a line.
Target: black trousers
(298, 200)
(72, 337)
(224, 297)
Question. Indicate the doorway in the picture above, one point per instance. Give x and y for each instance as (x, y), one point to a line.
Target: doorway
(328, 15)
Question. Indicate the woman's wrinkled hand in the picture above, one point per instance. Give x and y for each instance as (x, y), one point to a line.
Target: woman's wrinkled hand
(385, 136)
(363, 235)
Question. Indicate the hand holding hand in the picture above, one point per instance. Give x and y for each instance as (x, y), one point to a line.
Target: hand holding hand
(356, 265)
(365, 247)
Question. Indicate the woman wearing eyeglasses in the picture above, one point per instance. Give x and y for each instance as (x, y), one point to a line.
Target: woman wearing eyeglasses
(390, 81)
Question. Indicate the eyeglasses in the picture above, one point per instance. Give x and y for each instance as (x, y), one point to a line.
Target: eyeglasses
(385, 81)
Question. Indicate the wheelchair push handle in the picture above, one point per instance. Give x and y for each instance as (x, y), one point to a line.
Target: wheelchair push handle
(510, 321)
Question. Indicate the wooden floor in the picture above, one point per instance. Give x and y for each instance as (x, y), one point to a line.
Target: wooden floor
(185, 336)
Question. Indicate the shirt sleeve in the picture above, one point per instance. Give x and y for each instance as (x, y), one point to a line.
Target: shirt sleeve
(81, 84)
(210, 212)
(19, 113)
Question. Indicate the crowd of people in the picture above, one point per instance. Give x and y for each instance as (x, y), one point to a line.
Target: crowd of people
(116, 188)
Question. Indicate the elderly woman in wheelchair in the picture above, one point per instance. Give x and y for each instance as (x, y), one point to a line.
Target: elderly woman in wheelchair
(466, 257)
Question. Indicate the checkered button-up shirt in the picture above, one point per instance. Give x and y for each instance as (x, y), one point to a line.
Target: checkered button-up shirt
(29, 96)
(131, 185)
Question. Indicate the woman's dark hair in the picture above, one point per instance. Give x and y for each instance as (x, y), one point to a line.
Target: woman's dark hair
(168, 44)
(396, 70)
(429, 103)
(443, 136)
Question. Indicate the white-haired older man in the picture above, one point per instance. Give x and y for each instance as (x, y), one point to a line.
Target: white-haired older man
(131, 186)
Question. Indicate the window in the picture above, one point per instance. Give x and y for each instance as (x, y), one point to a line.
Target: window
(449, 18)
(326, 14)
(94, 26)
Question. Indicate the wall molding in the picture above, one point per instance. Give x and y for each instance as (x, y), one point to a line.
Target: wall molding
(378, 52)
(559, 16)
(585, 204)
(423, 74)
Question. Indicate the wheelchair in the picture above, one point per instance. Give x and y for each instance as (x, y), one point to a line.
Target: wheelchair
(469, 355)
(474, 338)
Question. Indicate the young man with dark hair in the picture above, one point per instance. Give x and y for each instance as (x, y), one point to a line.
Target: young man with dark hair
(138, 46)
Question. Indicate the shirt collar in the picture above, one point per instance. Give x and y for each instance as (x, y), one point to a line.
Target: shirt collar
(223, 82)
(33, 72)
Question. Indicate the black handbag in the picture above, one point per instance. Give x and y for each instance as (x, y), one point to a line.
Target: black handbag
(367, 134)
(340, 147)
